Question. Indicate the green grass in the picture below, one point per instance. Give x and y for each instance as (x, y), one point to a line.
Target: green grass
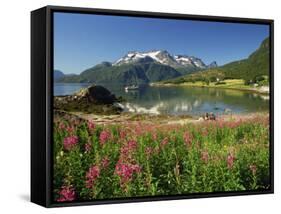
(237, 84)
(232, 83)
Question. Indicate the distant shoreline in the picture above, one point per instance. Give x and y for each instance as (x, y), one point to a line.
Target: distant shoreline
(264, 91)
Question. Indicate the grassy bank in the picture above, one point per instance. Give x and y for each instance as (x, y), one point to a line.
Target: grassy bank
(236, 84)
(93, 161)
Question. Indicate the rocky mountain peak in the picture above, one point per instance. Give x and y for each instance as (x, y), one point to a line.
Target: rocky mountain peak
(162, 57)
(213, 64)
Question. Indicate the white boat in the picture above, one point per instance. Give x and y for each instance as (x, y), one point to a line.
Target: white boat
(132, 87)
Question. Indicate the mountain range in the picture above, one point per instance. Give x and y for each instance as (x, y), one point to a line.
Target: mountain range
(139, 68)
(164, 58)
(159, 65)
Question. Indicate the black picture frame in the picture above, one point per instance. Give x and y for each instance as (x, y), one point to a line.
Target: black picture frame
(42, 94)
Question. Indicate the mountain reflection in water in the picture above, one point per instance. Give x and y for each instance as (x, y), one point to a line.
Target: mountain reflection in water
(177, 100)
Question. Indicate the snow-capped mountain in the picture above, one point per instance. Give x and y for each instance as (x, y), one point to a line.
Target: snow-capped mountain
(134, 56)
(184, 60)
(136, 68)
(162, 57)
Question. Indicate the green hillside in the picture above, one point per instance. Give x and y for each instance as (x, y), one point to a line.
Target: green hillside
(253, 69)
(139, 73)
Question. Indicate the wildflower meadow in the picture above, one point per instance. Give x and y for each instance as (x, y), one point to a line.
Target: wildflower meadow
(138, 158)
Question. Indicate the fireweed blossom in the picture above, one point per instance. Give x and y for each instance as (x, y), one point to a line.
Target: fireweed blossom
(104, 137)
(230, 160)
(124, 152)
(154, 136)
(148, 151)
(187, 137)
(70, 142)
(67, 193)
(105, 162)
(164, 142)
(88, 147)
(61, 126)
(205, 156)
(127, 150)
(91, 125)
(92, 175)
(126, 171)
(132, 145)
(138, 130)
(70, 129)
(122, 134)
(253, 169)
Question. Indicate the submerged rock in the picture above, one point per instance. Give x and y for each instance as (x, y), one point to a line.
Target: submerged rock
(93, 99)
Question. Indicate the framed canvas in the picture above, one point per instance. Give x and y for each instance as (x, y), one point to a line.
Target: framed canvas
(134, 106)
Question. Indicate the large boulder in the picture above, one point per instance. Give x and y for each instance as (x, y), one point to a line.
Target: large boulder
(93, 99)
(95, 94)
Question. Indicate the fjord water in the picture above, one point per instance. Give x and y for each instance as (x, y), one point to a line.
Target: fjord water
(180, 100)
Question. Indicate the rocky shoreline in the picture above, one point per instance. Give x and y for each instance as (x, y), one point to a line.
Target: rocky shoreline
(127, 118)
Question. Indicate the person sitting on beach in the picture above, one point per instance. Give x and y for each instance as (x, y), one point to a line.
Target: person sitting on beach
(212, 116)
(206, 117)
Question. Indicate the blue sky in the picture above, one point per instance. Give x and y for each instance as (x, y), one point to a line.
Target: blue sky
(83, 40)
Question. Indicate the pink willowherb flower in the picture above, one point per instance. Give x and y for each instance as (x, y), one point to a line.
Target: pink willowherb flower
(124, 151)
(230, 160)
(105, 162)
(91, 176)
(70, 129)
(253, 169)
(67, 193)
(88, 147)
(125, 171)
(154, 136)
(122, 134)
(138, 131)
(91, 125)
(136, 168)
(205, 156)
(187, 137)
(61, 126)
(104, 137)
(132, 145)
(70, 142)
(164, 142)
(148, 151)
(127, 149)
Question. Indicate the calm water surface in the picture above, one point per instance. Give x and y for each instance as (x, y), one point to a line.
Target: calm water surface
(180, 100)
